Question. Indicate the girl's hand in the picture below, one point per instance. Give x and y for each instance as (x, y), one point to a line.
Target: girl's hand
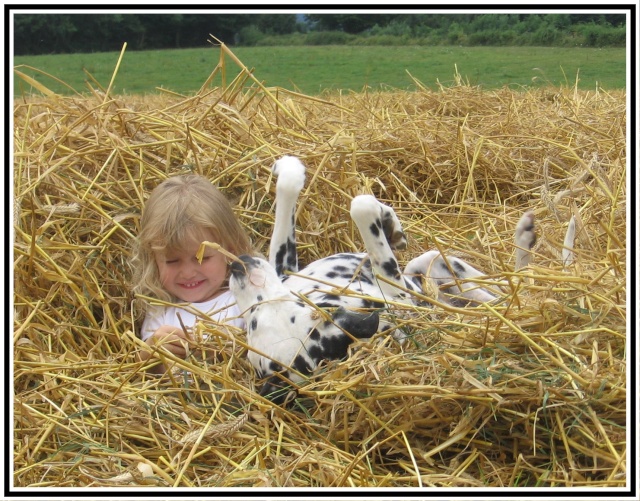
(170, 338)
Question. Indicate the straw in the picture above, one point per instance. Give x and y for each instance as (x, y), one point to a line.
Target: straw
(530, 392)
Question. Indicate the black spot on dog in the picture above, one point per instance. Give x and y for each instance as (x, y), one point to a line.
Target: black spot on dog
(275, 366)
(459, 268)
(416, 280)
(254, 323)
(372, 304)
(238, 268)
(342, 257)
(534, 237)
(259, 297)
(326, 304)
(360, 325)
(387, 227)
(292, 255)
(280, 255)
(395, 238)
(315, 353)
(286, 257)
(293, 319)
(458, 301)
(301, 365)
(386, 326)
(335, 347)
(314, 335)
(391, 269)
(374, 228)
(364, 278)
(443, 266)
(275, 389)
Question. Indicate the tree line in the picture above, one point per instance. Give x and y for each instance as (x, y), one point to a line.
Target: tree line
(69, 33)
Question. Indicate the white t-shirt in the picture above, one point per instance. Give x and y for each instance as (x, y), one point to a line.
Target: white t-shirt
(220, 309)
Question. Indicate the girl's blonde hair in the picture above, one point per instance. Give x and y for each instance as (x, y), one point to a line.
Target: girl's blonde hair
(180, 210)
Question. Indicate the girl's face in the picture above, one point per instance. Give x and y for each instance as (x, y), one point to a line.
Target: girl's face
(183, 276)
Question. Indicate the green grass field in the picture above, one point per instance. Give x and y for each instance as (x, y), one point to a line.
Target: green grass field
(313, 69)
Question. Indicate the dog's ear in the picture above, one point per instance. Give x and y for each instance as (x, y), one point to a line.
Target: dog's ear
(360, 325)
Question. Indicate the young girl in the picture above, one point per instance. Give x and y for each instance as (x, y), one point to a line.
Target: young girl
(181, 213)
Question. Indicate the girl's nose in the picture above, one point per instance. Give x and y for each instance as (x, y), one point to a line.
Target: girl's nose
(189, 269)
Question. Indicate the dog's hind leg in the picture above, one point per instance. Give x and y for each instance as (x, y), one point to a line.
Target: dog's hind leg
(525, 236)
(380, 230)
(283, 254)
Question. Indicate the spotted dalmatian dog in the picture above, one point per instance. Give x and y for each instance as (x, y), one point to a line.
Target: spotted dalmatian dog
(295, 319)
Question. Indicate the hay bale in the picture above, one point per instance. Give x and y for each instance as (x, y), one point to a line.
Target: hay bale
(533, 394)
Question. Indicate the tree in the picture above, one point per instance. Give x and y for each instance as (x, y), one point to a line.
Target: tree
(42, 34)
(86, 32)
(276, 24)
(102, 33)
(350, 23)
